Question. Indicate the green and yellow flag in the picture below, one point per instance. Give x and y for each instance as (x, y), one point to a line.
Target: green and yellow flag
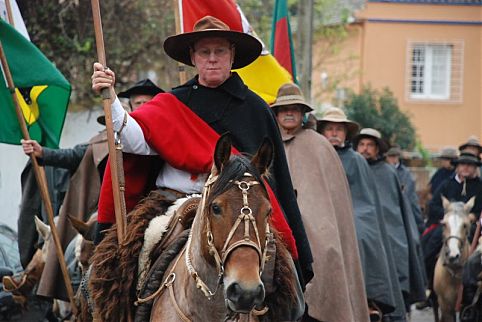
(42, 91)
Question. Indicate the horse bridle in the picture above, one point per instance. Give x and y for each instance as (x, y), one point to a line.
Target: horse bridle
(246, 215)
(447, 265)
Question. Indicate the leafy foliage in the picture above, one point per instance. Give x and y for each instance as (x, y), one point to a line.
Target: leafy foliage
(379, 110)
(134, 32)
(133, 35)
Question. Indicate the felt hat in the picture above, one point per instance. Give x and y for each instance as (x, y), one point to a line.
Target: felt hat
(247, 47)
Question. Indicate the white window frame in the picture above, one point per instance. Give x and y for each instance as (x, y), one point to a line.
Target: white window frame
(428, 69)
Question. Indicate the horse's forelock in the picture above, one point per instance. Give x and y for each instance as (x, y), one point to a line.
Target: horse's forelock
(235, 169)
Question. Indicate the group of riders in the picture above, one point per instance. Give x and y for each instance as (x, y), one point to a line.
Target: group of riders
(348, 208)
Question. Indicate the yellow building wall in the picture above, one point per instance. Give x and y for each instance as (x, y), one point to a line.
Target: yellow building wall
(383, 53)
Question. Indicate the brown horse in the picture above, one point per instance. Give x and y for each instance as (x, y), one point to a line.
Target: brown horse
(217, 276)
(454, 254)
(23, 285)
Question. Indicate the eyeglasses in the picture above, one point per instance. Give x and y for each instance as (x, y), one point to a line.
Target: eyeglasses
(218, 52)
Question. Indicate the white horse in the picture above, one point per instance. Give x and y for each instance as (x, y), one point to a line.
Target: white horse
(455, 251)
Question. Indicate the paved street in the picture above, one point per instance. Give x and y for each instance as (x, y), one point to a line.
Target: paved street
(422, 316)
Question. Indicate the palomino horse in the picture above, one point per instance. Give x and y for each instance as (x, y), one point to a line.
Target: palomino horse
(454, 254)
(217, 276)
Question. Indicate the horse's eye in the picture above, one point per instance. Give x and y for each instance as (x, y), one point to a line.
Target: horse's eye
(216, 209)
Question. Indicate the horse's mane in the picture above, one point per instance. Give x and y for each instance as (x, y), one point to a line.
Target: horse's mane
(285, 294)
(114, 277)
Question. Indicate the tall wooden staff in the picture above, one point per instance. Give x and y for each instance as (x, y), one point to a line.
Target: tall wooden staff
(41, 182)
(115, 149)
(180, 66)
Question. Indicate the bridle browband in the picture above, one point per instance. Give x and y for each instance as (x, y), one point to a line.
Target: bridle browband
(455, 271)
(246, 216)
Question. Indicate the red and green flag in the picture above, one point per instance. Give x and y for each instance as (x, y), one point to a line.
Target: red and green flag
(42, 91)
(281, 42)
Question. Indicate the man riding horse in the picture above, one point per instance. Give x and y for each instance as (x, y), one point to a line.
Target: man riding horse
(175, 133)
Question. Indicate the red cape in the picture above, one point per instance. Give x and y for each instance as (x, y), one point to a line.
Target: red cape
(183, 140)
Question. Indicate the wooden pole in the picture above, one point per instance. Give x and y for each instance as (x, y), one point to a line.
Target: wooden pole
(41, 182)
(180, 66)
(9, 13)
(115, 156)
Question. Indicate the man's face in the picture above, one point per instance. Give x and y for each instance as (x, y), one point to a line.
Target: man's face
(289, 117)
(393, 159)
(335, 133)
(466, 170)
(213, 58)
(368, 148)
(446, 163)
(138, 100)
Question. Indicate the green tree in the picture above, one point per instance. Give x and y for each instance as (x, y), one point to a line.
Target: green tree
(133, 32)
(379, 110)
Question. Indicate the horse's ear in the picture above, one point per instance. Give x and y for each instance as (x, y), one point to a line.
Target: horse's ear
(263, 157)
(445, 203)
(222, 152)
(80, 226)
(469, 205)
(42, 228)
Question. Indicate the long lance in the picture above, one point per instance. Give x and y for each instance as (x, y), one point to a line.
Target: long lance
(180, 66)
(115, 148)
(41, 182)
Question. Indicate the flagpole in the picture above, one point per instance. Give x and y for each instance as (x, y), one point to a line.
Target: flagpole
(9, 13)
(115, 149)
(41, 182)
(180, 66)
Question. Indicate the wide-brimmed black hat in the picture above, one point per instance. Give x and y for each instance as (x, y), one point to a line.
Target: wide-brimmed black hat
(374, 135)
(247, 47)
(467, 158)
(142, 87)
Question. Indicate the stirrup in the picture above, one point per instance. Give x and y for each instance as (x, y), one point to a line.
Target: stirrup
(374, 313)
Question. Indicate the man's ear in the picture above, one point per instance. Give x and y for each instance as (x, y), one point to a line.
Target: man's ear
(233, 52)
(191, 56)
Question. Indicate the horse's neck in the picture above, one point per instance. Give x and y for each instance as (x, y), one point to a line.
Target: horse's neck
(209, 276)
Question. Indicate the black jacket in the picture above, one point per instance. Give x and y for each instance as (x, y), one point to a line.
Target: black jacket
(233, 108)
(452, 190)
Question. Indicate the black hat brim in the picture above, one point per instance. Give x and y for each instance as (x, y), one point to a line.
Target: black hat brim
(247, 47)
(140, 90)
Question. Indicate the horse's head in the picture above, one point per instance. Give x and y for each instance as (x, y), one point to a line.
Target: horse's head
(456, 228)
(46, 234)
(85, 244)
(235, 211)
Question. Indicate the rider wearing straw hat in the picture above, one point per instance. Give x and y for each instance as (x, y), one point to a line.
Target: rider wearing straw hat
(337, 292)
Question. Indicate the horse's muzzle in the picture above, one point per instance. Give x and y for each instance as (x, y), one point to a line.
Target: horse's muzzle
(243, 300)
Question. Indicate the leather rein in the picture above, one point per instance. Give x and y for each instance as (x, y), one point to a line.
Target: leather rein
(245, 216)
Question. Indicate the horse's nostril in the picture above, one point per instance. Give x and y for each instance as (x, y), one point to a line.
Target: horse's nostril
(245, 299)
(260, 295)
(233, 292)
